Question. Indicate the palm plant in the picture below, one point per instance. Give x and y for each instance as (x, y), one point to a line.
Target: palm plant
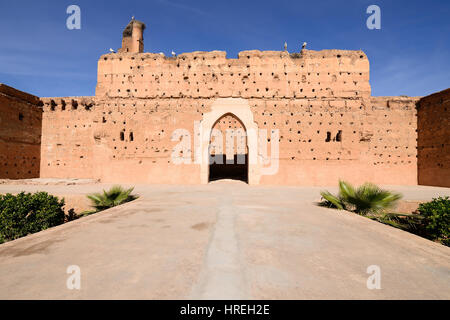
(364, 200)
(111, 198)
(408, 222)
(332, 201)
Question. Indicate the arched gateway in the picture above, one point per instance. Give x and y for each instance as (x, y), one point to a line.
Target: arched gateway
(228, 150)
(237, 114)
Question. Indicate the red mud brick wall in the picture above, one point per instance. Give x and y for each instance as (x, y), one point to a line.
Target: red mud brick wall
(20, 134)
(433, 141)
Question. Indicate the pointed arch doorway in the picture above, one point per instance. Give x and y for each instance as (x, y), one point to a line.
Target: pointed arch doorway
(228, 150)
(234, 109)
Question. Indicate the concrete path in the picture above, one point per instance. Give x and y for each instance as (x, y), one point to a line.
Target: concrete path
(224, 241)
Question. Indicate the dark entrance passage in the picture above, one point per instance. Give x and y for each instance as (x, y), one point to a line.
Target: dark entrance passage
(236, 169)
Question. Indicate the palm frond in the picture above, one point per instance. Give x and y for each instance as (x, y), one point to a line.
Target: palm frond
(346, 190)
(115, 196)
(331, 201)
(369, 198)
(404, 221)
(366, 199)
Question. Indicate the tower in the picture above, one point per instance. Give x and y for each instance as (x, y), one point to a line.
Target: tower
(133, 37)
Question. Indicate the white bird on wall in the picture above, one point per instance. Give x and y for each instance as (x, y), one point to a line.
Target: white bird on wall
(304, 45)
(285, 46)
(173, 53)
(111, 50)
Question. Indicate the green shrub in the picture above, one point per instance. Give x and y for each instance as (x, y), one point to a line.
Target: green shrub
(111, 198)
(28, 213)
(436, 219)
(366, 199)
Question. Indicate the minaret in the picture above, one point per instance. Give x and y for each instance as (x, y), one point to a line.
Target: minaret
(133, 37)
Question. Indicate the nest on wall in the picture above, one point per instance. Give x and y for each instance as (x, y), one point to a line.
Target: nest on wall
(296, 55)
(128, 31)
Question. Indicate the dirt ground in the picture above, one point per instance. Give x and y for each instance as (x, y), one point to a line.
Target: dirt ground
(225, 240)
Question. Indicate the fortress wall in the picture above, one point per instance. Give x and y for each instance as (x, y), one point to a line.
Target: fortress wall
(389, 139)
(254, 74)
(329, 126)
(67, 137)
(433, 143)
(20, 134)
(118, 140)
(377, 140)
(129, 139)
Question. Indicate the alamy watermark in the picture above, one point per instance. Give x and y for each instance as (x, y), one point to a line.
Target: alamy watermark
(374, 280)
(236, 143)
(374, 20)
(74, 19)
(74, 280)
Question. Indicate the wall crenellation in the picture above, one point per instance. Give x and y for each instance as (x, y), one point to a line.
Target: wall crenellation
(254, 74)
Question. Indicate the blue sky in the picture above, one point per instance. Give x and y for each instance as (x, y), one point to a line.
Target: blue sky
(410, 55)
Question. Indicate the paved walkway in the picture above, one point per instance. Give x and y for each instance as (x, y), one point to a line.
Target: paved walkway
(224, 241)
